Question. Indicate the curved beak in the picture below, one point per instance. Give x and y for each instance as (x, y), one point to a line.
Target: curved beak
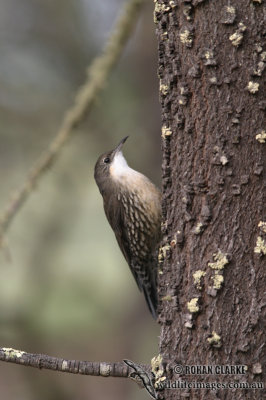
(120, 145)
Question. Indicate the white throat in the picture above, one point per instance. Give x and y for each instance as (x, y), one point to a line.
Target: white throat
(120, 168)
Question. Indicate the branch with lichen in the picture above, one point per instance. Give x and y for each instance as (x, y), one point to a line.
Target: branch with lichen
(141, 374)
(97, 76)
(59, 364)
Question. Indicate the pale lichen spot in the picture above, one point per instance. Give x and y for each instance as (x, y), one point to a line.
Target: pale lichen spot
(253, 87)
(163, 251)
(65, 365)
(159, 8)
(166, 131)
(188, 319)
(217, 280)
(215, 339)
(198, 229)
(186, 37)
(224, 160)
(230, 9)
(262, 226)
(105, 369)
(164, 36)
(12, 353)
(213, 80)
(189, 324)
(258, 70)
(228, 15)
(197, 278)
(155, 363)
(156, 367)
(192, 305)
(163, 88)
(260, 247)
(257, 368)
(220, 261)
(237, 37)
(261, 137)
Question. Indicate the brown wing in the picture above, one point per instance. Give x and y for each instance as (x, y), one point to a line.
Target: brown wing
(133, 240)
(115, 215)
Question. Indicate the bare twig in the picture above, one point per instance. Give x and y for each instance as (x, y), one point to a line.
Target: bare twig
(98, 73)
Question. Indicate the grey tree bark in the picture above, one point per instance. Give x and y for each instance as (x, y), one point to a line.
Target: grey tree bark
(212, 257)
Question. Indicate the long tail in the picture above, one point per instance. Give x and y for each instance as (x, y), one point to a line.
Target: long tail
(147, 282)
(151, 299)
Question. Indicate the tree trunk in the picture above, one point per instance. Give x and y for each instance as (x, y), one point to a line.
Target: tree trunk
(211, 278)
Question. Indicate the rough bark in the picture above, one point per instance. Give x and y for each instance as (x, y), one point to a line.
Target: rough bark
(211, 62)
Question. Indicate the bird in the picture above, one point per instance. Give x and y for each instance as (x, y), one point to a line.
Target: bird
(132, 204)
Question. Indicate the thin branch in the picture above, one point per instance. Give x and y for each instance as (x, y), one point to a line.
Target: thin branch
(42, 361)
(98, 74)
(141, 374)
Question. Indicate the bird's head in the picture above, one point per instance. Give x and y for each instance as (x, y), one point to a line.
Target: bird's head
(110, 166)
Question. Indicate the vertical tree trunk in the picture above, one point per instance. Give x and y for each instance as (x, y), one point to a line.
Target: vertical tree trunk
(211, 70)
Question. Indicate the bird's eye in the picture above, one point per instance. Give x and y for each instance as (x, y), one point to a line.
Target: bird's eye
(106, 160)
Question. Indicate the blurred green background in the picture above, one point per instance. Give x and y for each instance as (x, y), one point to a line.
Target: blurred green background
(65, 288)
